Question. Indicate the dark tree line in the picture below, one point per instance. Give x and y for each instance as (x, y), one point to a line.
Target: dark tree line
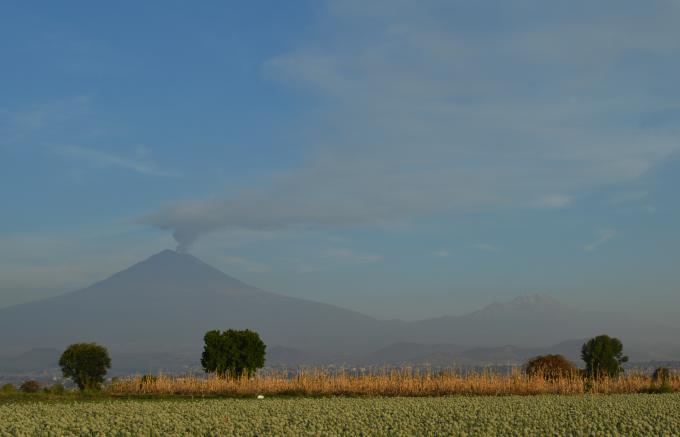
(603, 356)
(234, 353)
(227, 354)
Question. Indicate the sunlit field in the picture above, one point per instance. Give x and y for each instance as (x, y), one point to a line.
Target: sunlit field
(459, 415)
(393, 383)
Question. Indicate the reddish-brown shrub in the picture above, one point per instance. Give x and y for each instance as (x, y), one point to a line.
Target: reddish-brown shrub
(551, 367)
(30, 386)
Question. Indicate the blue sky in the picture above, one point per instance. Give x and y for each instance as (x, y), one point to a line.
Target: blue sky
(405, 159)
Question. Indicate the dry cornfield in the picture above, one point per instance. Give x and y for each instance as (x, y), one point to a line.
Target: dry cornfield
(387, 383)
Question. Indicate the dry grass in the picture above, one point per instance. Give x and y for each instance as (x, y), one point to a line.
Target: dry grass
(392, 383)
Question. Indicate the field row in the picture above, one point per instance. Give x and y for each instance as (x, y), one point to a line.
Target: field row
(479, 416)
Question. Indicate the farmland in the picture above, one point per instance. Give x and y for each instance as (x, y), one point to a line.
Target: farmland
(453, 415)
(388, 383)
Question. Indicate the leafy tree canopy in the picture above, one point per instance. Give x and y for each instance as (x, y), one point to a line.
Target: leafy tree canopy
(232, 353)
(603, 356)
(86, 364)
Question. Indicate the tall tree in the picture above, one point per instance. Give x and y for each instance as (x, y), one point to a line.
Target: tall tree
(86, 364)
(603, 356)
(232, 353)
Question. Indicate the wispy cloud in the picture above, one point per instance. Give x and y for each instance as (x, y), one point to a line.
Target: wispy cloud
(441, 253)
(245, 264)
(330, 257)
(422, 117)
(625, 197)
(554, 201)
(352, 256)
(605, 236)
(37, 124)
(486, 247)
(47, 114)
(139, 163)
(301, 266)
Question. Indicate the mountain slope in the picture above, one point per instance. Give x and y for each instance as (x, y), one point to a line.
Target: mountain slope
(537, 320)
(167, 302)
(162, 306)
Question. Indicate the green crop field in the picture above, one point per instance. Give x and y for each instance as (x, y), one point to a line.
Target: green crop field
(512, 415)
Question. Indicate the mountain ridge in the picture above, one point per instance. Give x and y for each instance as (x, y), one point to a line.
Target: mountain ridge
(165, 303)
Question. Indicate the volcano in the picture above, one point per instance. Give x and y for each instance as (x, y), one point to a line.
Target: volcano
(159, 309)
(167, 303)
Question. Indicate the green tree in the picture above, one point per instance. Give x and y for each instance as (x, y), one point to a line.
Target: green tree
(86, 364)
(603, 356)
(232, 353)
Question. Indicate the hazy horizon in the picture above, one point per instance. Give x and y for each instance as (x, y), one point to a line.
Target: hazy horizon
(520, 299)
(169, 300)
(404, 160)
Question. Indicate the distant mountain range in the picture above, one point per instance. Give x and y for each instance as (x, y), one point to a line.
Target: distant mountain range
(154, 314)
